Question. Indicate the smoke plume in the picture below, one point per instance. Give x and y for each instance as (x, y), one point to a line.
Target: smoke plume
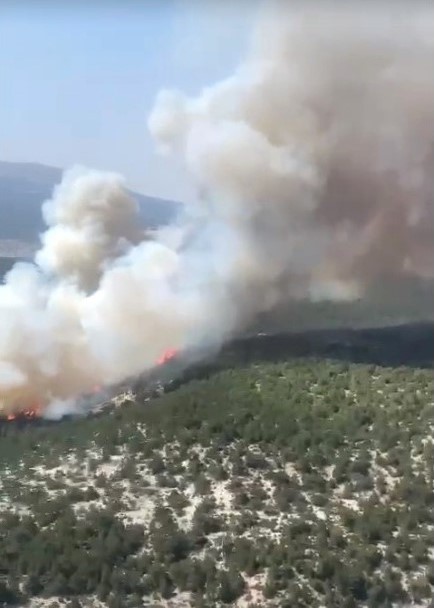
(314, 162)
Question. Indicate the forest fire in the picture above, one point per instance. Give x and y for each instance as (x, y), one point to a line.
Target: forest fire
(167, 356)
(26, 414)
(34, 412)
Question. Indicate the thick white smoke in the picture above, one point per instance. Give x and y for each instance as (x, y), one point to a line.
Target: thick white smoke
(91, 220)
(316, 158)
(325, 138)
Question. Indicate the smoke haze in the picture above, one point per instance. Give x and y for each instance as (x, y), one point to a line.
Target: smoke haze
(314, 162)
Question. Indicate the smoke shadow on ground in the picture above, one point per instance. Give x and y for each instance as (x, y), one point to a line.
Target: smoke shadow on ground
(409, 345)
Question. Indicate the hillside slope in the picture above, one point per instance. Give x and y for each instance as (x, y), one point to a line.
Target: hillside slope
(300, 483)
(390, 301)
(25, 186)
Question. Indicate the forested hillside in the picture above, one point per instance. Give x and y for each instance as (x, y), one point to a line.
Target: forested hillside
(295, 483)
(386, 302)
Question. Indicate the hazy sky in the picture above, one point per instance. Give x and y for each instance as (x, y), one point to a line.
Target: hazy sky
(77, 83)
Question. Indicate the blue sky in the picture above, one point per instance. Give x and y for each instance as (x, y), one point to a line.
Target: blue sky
(79, 82)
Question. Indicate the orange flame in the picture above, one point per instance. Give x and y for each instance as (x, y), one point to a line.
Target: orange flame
(167, 356)
(35, 411)
(28, 413)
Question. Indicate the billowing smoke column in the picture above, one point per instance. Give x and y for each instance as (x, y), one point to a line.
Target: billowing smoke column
(316, 158)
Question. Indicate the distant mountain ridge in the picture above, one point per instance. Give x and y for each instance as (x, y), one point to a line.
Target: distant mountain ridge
(25, 186)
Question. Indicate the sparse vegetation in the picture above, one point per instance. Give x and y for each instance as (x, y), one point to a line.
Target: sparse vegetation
(305, 483)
